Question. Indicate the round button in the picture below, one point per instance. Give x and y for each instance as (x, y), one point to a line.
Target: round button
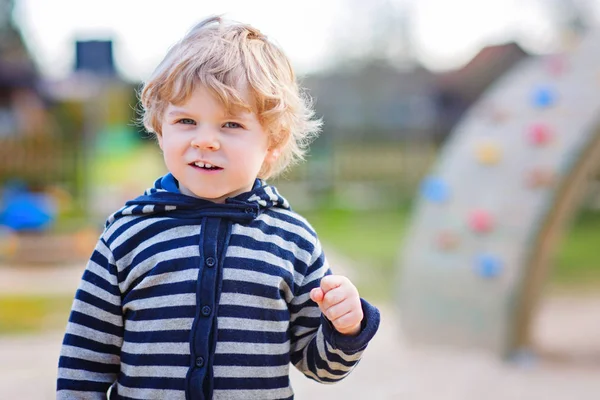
(206, 311)
(199, 362)
(210, 262)
(248, 210)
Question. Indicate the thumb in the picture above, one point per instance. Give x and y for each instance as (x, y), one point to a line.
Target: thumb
(317, 295)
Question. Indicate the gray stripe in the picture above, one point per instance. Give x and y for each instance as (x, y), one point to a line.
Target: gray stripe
(185, 299)
(161, 371)
(71, 395)
(239, 299)
(172, 324)
(168, 277)
(265, 256)
(89, 355)
(286, 226)
(89, 333)
(149, 263)
(231, 371)
(277, 240)
(244, 324)
(98, 313)
(346, 357)
(252, 348)
(164, 236)
(157, 348)
(243, 275)
(84, 375)
(99, 293)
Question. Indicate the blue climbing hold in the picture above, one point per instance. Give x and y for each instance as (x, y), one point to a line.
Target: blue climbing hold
(544, 96)
(435, 190)
(488, 266)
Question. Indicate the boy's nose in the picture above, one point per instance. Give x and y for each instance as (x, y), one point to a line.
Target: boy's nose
(206, 139)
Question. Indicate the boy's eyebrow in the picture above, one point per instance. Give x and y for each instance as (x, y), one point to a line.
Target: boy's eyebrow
(236, 114)
(176, 111)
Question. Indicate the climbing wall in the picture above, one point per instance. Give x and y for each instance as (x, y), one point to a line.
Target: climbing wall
(492, 209)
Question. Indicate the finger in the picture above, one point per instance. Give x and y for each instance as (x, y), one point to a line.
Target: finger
(317, 295)
(334, 312)
(333, 297)
(331, 282)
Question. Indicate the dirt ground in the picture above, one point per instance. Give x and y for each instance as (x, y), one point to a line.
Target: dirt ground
(567, 327)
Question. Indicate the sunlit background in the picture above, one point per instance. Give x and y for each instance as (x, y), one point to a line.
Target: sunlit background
(390, 78)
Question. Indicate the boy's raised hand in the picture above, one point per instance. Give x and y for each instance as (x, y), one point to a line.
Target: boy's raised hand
(339, 301)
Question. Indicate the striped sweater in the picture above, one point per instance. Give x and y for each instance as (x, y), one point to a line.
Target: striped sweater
(187, 299)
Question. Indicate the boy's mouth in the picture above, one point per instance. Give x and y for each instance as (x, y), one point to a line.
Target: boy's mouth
(205, 166)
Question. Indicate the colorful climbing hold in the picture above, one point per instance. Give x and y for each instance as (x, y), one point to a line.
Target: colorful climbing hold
(481, 221)
(488, 266)
(435, 190)
(447, 240)
(539, 177)
(544, 96)
(540, 134)
(488, 153)
(556, 65)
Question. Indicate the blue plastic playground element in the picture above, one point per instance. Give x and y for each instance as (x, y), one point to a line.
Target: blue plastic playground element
(23, 210)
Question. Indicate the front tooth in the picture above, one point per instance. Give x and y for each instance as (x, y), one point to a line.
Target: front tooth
(208, 165)
(200, 164)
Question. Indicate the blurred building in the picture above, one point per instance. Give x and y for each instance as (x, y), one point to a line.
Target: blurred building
(376, 101)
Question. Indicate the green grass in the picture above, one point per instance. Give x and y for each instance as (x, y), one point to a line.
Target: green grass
(33, 313)
(578, 257)
(371, 240)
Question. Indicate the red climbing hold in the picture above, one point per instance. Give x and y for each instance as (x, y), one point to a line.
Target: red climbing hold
(481, 221)
(540, 134)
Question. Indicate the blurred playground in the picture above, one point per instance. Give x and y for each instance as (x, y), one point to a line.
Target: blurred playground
(416, 182)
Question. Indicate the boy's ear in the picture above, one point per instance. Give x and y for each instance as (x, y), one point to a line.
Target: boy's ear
(273, 155)
(159, 140)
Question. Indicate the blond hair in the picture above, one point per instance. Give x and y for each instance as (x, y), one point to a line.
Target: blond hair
(225, 57)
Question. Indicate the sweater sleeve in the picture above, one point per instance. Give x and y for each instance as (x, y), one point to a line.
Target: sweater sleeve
(317, 349)
(90, 355)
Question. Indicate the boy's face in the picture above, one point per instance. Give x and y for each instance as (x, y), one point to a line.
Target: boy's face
(213, 154)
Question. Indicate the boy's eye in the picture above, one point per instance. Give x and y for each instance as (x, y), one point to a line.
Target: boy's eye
(186, 121)
(234, 125)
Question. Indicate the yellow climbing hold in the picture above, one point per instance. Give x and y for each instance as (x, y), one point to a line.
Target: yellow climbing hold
(488, 153)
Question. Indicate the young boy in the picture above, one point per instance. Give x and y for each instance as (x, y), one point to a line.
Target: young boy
(208, 285)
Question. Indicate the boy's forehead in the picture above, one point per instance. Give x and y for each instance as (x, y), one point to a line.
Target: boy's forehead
(239, 99)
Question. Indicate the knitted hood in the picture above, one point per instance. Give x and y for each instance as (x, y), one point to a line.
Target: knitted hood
(165, 198)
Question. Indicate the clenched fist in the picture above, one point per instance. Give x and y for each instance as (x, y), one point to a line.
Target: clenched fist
(339, 301)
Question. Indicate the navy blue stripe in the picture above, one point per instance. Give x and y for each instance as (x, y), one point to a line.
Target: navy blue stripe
(234, 311)
(173, 360)
(152, 382)
(94, 300)
(251, 360)
(78, 341)
(82, 386)
(94, 323)
(171, 336)
(161, 313)
(165, 289)
(252, 383)
(78, 363)
(228, 335)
